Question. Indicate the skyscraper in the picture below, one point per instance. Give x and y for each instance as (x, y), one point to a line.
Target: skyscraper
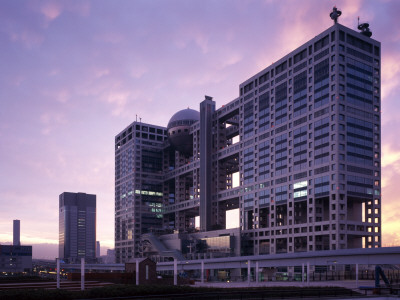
(302, 139)
(77, 227)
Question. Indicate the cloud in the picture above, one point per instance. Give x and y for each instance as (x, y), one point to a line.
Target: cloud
(51, 120)
(389, 156)
(51, 10)
(119, 99)
(101, 73)
(110, 37)
(138, 71)
(29, 38)
(390, 74)
(61, 95)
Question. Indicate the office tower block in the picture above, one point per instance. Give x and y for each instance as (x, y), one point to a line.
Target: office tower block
(298, 153)
(16, 232)
(77, 227)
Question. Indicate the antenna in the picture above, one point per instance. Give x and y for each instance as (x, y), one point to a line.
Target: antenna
(364, 27)
(335, 14)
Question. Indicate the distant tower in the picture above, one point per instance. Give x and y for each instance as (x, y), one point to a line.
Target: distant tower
(16, 233)
(98, 249)
(77, 223)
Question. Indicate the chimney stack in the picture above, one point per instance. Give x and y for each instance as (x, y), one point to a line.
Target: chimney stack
(16, 233)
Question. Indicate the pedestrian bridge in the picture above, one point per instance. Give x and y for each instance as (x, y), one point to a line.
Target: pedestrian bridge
(364, 256)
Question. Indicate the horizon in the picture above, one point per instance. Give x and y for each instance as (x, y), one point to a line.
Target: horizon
(76, 74)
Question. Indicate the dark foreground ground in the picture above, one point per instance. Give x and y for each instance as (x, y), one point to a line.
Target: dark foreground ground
(71, 291)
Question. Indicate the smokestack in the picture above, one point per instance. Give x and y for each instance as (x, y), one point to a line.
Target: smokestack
(98, 249)
(16, 233)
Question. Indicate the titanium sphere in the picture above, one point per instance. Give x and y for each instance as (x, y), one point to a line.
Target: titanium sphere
(178, 130)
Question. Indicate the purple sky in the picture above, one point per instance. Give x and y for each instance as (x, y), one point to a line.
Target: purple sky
(75, 73)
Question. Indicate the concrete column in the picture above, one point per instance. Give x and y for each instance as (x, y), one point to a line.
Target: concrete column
(175, 271)
(308, 273)
(207, 107)
(137, 272)
(58, 272)
(356, 275)
(248, 271)
(202, 271)
(82, 273)
(257, 273)
(302, 272)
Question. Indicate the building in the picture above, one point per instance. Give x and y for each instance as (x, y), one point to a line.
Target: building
(146, 268)
(16, 232)
(298, 153)
(77, 227)
(15, 258)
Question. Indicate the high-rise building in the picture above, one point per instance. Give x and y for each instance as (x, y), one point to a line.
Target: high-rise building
(77, 227)
(298, 153)
(16, 232)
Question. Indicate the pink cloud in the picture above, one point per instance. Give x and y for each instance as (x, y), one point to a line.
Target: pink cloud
(51, 10)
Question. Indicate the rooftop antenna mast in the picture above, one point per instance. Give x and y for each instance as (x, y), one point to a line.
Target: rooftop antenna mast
(335, 14)
(364, 27)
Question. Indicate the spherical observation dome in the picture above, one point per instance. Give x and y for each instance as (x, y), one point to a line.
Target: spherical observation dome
(179, 127)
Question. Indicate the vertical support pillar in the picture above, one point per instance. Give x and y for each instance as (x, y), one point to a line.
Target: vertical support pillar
(207, 108)
(302, 272)
(202, 271)
(248, 271)
(356, 275)
(137, 272)
(175, 271)
(257, 272)
(82, 274)
(58, 273)
(308, 273)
